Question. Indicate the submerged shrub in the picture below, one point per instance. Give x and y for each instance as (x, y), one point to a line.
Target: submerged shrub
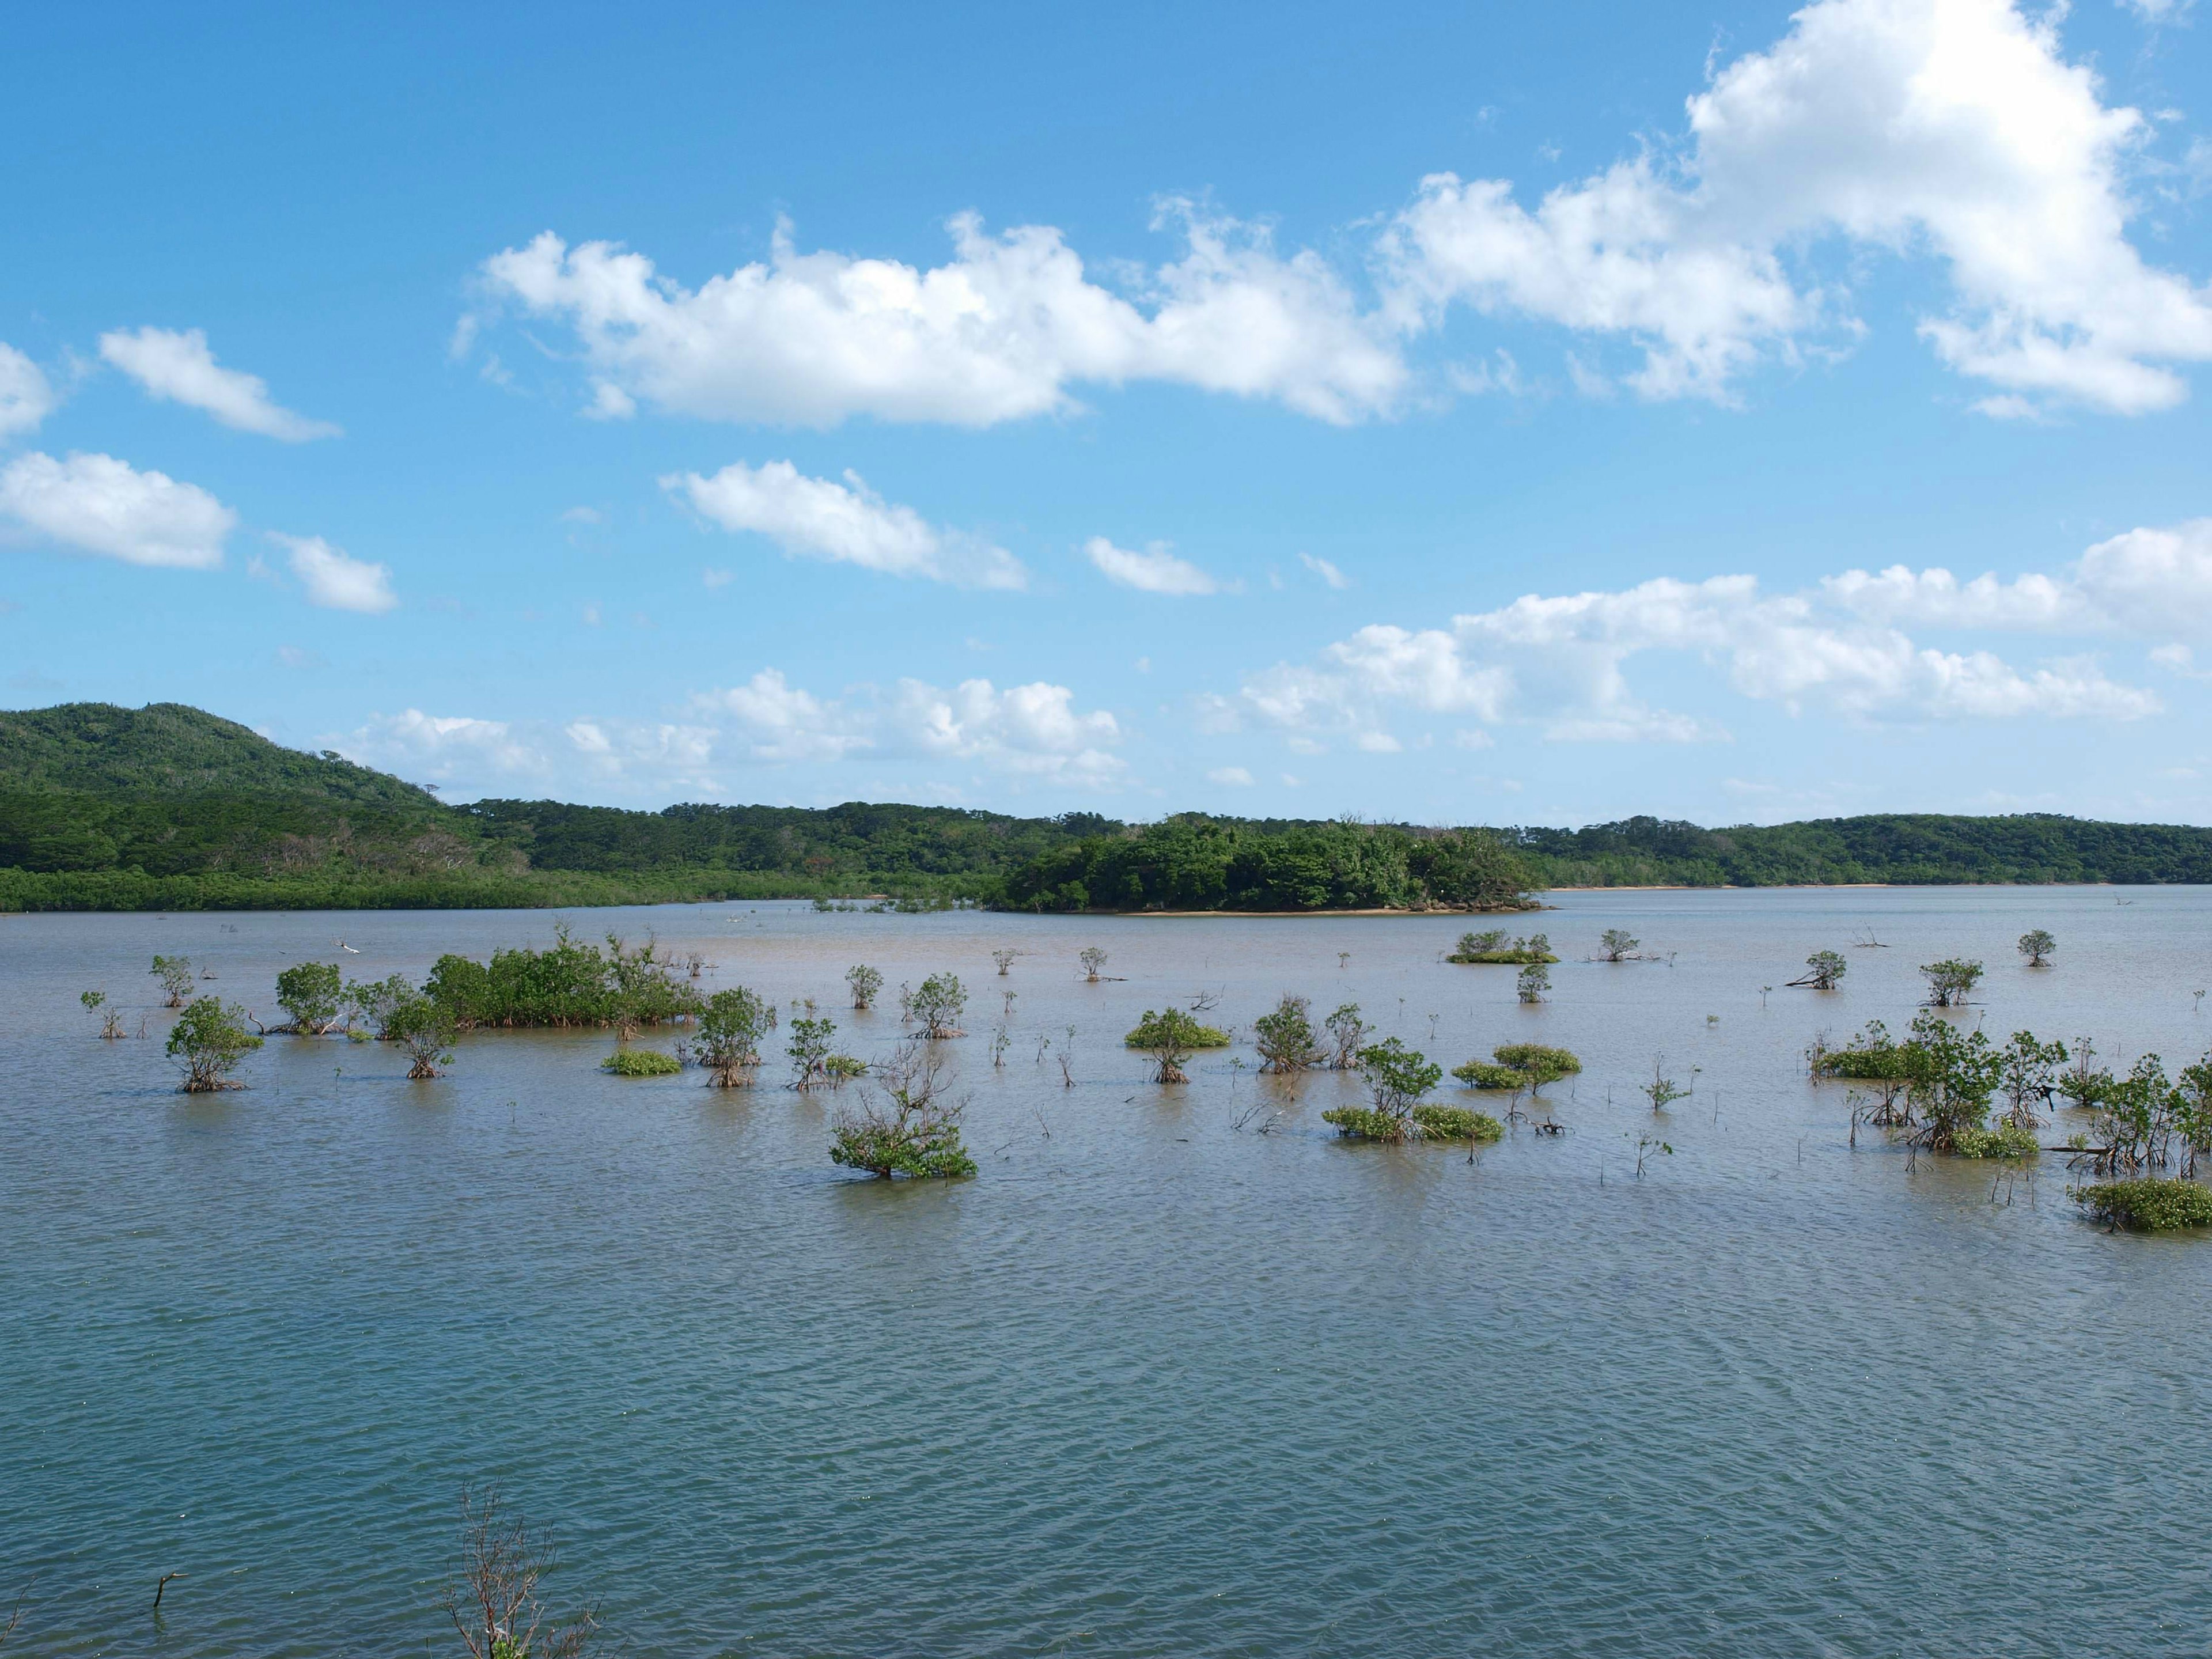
(1528, 1066)
(936, 1006)
(309, 992)
(1456, 1123)
(730, 1027)
(905, 1127)
(424, 1030)
(1284, 1038)
(1491, 947)
(1397, 1077)
(569, 984)
(208, 1041)
(1169, 1037)
(175, 974)
(2007, 1139)
(640, 1062)
(2150, 1206)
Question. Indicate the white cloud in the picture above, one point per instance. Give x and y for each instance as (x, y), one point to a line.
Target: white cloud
(1002, 332)
(179, 367)
(780, 722)
(26, 396)
(1327, 572)
(1232, 777)
(447, 749)
(1561, 662)
(1955, 129)
(1032, 729)
(336, 580)
(1155, 570)
(97, 504)
(846, 524)
(2155, 12)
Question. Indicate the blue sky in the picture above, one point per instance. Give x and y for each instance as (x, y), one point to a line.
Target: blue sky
(1494, 414)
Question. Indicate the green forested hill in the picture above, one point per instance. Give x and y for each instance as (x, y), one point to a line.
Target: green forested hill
(170, 807)
(167, 748)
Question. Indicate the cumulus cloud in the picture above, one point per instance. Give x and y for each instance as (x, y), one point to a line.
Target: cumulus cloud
(97, 504)
(1952, 127)
(843, 523)
(1232, 777)
(448, 748)
(1561, 662)
(335, 580)
(1003, 331)
(1032, 729)
(26, 396)
(179, 367)
(1155, 570)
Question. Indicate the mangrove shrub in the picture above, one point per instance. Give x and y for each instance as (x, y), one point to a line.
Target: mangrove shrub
(1284, 1037)
(905, 1126)
(309, 992)
(1169, 1037)
(208, 1041)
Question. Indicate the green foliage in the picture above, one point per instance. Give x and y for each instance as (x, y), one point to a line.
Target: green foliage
(809, 1050)
(569, 984)
(1901, 849)
(2152, 1204)
(310, 992)
(2028, 1076)
(1195, 862)
(1823, 969)
(1618, 943)
(1519, 1066)
(208, 1041)
(425, 1030)
(640, 1062)
(1951, 980)
(1490, 948)
(1872, 1055)
(1286, 1038)
(1170, 1037)
(905, 1127)
(1662, 1091)
(175, 974)
(730, 1027)
(1347, 1032)
(936, 1006)
(1456, 1123)
(2004, 1140)
(1532, 982)
(372, 1002)
(1396, 1077)
(2037, 946)
(864, 982)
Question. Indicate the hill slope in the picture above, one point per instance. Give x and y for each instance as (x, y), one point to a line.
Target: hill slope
(170, 807)
(168, 748)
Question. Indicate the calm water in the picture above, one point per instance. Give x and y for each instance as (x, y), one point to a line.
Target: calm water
(1152, 1384)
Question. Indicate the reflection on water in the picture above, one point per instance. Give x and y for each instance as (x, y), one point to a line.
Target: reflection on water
(1150, 1383)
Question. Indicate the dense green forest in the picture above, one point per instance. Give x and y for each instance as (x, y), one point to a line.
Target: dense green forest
(168, 807)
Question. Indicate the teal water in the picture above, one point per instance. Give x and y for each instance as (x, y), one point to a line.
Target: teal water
(1153, 1382)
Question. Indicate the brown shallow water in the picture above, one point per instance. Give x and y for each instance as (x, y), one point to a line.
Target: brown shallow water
(1152, 1382)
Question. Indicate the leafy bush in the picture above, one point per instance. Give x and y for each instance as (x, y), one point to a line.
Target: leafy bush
(730, 1027)
(936, 1006)
(208, 1041)
(905, 1128)
(309, 993)
(425, 1030)
(1284, 1038)
(640, 1062)
(2149, 1205)
(1490, 948)
(568, 985)
(1456, 1123)
(1951, 980)
(1169, 1037)
(1482, 1074)
(1397, 1077)
(175, 974)
(1537, 1063)
(1533, 981)
(2007, 1139)
(864, 982)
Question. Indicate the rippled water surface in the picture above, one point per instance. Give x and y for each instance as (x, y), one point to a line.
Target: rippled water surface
(1153, 1382)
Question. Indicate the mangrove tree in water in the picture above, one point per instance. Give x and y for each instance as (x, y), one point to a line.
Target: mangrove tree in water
(309, 993)
(730, 1027)
(1284, 1037)
(2037, 946)
(1517, 1066)
(208, 1041)
(905, 1126)
(1169, 1037)
(864, 982)
(1491, 947)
